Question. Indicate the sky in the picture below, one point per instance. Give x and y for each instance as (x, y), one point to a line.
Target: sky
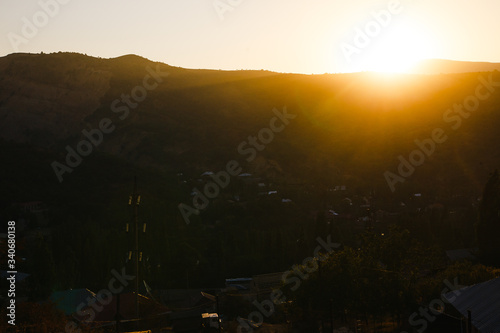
(292, 36)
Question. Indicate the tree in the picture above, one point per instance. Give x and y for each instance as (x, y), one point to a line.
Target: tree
(488, 225)
(42, 269)
(375, 280)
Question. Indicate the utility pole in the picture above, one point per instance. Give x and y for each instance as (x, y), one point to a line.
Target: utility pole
(218, 313)
(134, 200)
(469, 321)
(118, 317)
(331, 315)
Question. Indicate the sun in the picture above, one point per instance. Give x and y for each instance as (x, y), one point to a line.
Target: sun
(397, 49)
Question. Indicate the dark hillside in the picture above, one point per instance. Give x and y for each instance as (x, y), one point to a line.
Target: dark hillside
(347, 130)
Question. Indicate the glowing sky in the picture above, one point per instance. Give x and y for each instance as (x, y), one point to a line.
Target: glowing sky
(280, 35)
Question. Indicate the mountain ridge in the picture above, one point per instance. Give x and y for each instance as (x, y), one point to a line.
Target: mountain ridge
(445, 66)
(195, 119)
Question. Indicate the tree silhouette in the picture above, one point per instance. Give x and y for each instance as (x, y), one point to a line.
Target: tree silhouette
(488, 226)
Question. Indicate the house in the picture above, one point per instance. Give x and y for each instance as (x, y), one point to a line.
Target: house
(187, 306)
(239, 283)
(68, 300)
(30, 207)
(179, 299)
(87, 308)
(461, 255)
(33, 211)
(479, 306)
(266, 283)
